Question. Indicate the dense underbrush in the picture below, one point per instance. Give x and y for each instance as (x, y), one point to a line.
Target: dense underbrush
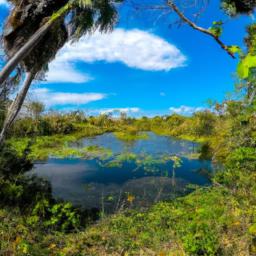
(218, 220)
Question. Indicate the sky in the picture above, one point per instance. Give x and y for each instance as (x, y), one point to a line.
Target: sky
(147, 66)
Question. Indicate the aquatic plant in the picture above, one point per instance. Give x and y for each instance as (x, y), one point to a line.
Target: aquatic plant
(128, 136)
(177, 162)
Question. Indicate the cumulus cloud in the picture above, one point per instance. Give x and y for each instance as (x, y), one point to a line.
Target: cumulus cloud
(51, 98)
(134, 48)
(186, 110)
(66, 73)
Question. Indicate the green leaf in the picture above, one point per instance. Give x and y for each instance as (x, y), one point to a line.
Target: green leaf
(218, 23)
(234, 49)
(252, 229)
(245, 65)
(217, 31)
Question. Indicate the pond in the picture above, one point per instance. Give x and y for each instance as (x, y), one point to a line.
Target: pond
(118, 174)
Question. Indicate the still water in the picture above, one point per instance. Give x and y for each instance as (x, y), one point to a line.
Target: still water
(126, 174)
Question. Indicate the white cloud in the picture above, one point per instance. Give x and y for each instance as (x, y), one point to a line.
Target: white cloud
(119, 110)
(65, 72)
(3, 2)
(186, 110)
(134, 48)
(113, 111)
(51, 98)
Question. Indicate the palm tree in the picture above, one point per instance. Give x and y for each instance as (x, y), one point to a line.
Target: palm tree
(86, 15)
(16, 106)
(34, 52)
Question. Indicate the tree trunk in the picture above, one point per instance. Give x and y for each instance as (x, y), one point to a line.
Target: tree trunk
(23, 52)
(16, 105)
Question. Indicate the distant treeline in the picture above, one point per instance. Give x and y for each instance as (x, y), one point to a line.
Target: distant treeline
(213, 128)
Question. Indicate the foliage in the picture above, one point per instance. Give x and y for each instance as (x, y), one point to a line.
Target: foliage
(245, 65)
(11, 163)
(217, 220)
(64, 216)
(216, 28)
(234, 7)
(188, 226)
(130, 135)
(27, 18)
(37, 133)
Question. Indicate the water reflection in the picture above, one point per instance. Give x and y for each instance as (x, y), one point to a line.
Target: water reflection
(134, 175)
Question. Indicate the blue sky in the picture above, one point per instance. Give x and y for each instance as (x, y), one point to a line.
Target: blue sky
(144, 67)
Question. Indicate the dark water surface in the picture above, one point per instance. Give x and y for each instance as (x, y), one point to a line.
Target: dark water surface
(135, 174)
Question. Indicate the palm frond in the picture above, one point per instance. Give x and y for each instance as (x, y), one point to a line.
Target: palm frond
(84, 3)
(90, 15)
(82, 22)
(107, 15)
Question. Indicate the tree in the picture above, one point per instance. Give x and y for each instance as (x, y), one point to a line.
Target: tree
(203, 123)
(27, 32)
(34, 45)
(86, 15)
(36, 109)
(16, 106)
(235, 7)
(247, 66)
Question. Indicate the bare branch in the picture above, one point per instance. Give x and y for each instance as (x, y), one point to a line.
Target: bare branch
(171, 4)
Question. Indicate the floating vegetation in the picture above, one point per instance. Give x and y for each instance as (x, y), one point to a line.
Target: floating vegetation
(120, 159)
(131, 136)
(97, 152)
(146, 162)
(41, 148)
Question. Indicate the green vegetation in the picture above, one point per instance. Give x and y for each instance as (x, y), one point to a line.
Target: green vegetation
(53, 134)
(55, 146)
(219, 220)
(130, 136)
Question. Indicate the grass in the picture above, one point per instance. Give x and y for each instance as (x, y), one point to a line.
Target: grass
(41, 147)
(57, 147)
(187, 226)
(166, 132)
(217, 221)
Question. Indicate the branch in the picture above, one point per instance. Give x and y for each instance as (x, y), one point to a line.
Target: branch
(200, 29)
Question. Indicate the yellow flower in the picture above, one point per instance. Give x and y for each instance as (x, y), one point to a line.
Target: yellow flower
(237, 223)
(51, 246)
(17, 240)
(130, 198)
